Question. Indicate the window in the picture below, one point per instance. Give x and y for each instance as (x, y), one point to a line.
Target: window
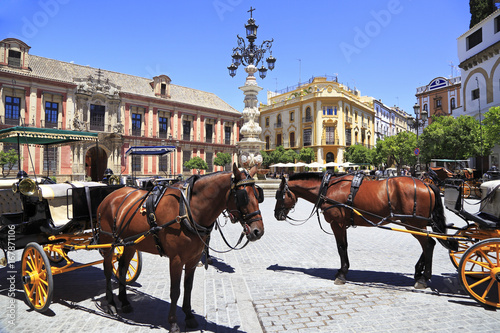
(14, 58)
(278, 140)
(278, 121)
(497, 24)
(425, 107)
(307, 137)
(186, 156)
(348, 138)
(12, 109)
(50, 160)
(163, 127)
(475, 38)
(452, 103)
(163, 164)
(136, 124)
(97, 117)
(292, 139)
(308, 115)
(330, 135)
(163, 89)
(475, 94)
(438, 103)
(267, 121)
(51, 114)
(186, 130)
(136, 163)
(209, 157)
(227, 135)
(330, 157)
(208, 132)
(292, 116)
(328, 110)
(268, 143)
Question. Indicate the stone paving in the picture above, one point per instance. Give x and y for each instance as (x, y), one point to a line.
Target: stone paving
(283, 282)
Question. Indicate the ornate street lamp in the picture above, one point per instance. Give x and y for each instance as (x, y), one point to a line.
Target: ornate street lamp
(250, 55)
(416, 123)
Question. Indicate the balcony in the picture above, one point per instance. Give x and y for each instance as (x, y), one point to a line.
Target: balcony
(325, 142)
(97, 126)
(278, 125)
(49, 124)
(349, 120)
(307, 119)
(137, 132)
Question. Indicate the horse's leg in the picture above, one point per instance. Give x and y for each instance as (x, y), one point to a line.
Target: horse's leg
(191, 321)
(423, 268)
(123, 265)
(341, 239)
(108, 271)
(175, 291)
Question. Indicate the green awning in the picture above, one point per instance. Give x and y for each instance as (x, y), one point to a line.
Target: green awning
(43, 136)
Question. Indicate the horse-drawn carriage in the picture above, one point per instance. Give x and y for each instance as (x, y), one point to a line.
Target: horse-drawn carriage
(174, 220)
(410, 203)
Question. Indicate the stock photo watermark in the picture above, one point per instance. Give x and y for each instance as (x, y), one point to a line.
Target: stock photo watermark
(32, 25)
(364, 35)
(223, 6)
(12, 273)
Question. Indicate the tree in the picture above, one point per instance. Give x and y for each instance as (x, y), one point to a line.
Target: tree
(196, 163)
(399, 149)
(289, 156)
(7, 161)
(266, 160)
(307, 155)
(491, 126)
(358, 154)
(479, 10)
(222, 159)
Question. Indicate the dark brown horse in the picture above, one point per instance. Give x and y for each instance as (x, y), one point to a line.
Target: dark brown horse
(404, 200)
(178, 228)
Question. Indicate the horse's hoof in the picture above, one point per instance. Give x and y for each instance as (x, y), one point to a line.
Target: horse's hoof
(111, 310)
(127, 308)
(174, 328)
(420, 284)
(339, 281)
(191, 323)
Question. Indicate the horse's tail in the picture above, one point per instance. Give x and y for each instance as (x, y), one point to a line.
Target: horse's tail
(439, 220)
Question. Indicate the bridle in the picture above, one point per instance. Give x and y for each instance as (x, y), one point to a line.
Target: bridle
(240, 195)
(282, 193)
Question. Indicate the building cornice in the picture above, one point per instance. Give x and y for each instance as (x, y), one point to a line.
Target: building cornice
(490, 52)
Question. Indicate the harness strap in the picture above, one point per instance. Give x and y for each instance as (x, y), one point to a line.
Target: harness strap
(355, 184)
(151, 204)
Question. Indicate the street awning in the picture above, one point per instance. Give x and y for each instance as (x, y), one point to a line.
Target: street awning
(150, 150)
(43, 136)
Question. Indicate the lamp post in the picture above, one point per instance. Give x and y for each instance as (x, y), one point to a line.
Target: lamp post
(251, 56)
(417, 123)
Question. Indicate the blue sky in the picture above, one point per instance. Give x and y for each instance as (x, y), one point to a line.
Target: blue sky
(386, 48)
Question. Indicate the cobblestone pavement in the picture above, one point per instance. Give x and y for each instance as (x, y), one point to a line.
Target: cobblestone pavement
(283, 282)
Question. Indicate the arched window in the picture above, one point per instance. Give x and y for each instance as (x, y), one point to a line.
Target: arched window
(452, 103)
(292, 139)
(425, 107)
(308, 114)
(330, 157)
(268, 142)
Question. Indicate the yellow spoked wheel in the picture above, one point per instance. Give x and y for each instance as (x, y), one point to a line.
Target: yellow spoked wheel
(479, 272)
(54, 256)
(134, 268)
(428, 180)
(36, 276)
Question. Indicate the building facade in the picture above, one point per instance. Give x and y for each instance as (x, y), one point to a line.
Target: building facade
(441, 97)
(478, 53)
(124, 110)
(389, 121)
(321, 114)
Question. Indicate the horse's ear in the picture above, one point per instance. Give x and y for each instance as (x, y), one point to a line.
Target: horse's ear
(236, 171)
(253, 171)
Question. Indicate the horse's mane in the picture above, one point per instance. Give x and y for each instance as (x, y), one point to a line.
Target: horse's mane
(194, 178)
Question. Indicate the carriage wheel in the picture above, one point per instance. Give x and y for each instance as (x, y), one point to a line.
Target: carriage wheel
(428, 181)
(36, 275)
(54, 257)
(469, 231)
(477, 191)
(479, 272)
(134, 268)
(467, 190)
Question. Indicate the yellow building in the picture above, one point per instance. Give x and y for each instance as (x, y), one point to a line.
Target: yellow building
(321, 114)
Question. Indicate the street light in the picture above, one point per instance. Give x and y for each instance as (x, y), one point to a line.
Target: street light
(416, 123)
(252, 56)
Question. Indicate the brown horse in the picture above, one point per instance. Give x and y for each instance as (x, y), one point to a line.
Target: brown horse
(178, 227)
(403, 200)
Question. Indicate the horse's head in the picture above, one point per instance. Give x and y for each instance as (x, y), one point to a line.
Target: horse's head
(285, 201)
(243, 202)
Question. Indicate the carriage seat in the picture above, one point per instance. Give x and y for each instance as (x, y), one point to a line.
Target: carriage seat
(10, 202)
(59, 199)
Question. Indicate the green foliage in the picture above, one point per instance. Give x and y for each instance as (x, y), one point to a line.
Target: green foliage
(7, 161)
(479, 10)
(452, 138)
(266, 159)
(358, 154)
(222, 159)
(307, 155)
(491, 126)
(196, 163)
(398, 149)
(289, 156)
